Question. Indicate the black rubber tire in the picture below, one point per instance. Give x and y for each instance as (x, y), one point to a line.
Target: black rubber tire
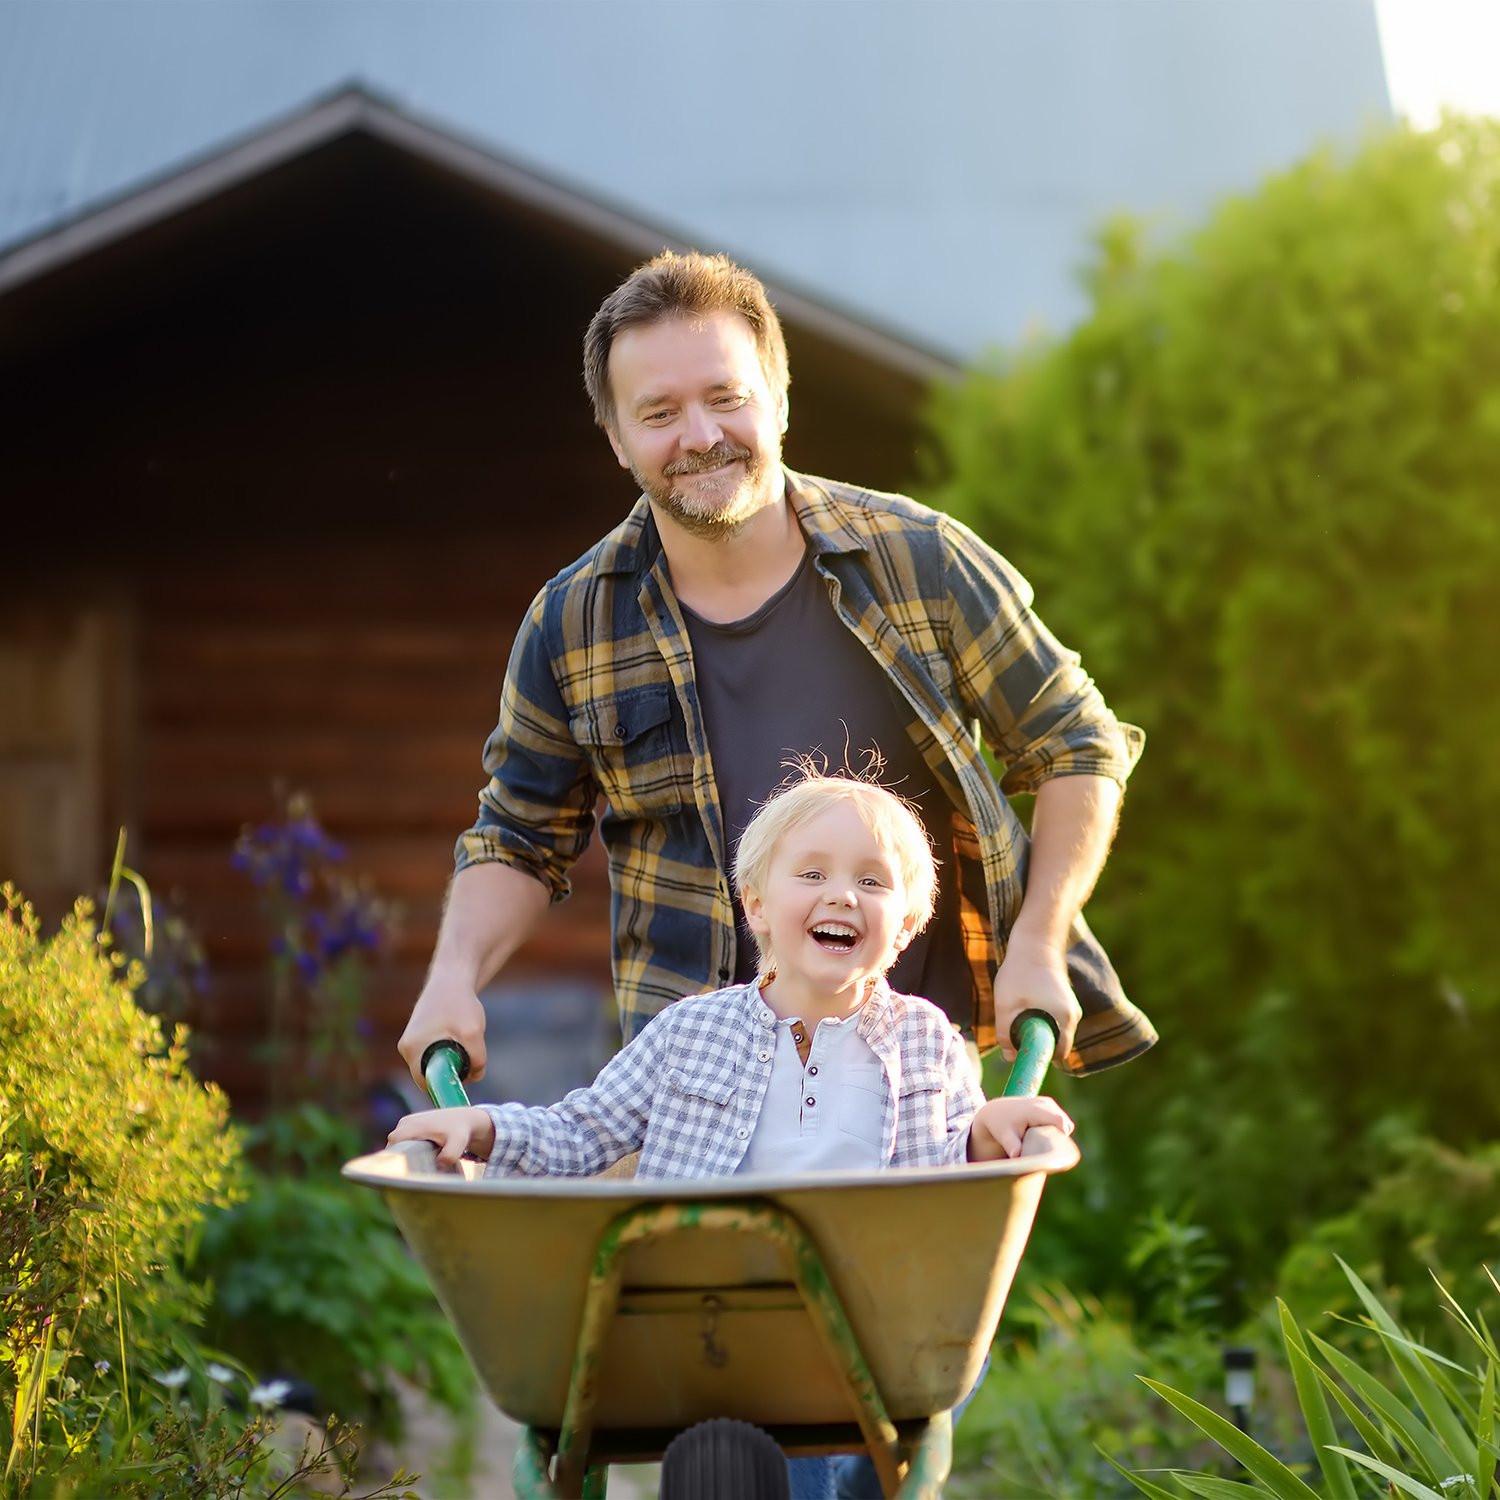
(724, 1460)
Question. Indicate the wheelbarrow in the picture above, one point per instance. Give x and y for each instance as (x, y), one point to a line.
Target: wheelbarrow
(839, 1312)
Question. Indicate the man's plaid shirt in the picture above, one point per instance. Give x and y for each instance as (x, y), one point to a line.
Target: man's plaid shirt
(687, 1092)
(599, 697)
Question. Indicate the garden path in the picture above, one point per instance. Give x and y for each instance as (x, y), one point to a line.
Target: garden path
(431, 1437)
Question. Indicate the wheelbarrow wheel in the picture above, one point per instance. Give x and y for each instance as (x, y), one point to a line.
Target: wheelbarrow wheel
(726, 1459)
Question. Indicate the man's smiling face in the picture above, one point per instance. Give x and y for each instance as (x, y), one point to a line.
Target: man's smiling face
(695, 421)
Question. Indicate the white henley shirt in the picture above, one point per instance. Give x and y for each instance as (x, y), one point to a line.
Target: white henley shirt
(826, 1116)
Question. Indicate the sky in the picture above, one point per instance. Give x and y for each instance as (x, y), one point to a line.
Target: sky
(1441, 53)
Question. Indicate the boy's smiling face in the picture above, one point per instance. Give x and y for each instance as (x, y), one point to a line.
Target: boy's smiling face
(834, 912)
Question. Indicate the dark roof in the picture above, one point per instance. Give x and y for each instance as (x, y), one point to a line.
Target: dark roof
(355, 109)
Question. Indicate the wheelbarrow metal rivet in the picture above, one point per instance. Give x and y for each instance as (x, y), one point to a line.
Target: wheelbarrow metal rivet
(714, 1353)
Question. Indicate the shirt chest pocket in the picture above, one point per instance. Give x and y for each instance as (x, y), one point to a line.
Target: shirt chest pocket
(694, 1111)
(630, 741)
(861, 1102)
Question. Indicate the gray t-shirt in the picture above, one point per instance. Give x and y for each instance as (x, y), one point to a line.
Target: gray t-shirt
(791, 679)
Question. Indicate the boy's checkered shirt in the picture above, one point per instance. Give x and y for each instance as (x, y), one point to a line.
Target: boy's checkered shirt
(686, 1093)
(599, 697)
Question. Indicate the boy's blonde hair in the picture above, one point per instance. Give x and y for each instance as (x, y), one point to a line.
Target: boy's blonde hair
(892, 819)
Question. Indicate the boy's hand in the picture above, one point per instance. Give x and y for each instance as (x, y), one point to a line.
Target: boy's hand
(999, 1124)
(452, 1131)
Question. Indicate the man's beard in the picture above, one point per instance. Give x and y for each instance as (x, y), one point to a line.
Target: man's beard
(709, 516)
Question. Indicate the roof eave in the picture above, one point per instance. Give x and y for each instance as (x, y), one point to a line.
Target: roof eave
(355, 108)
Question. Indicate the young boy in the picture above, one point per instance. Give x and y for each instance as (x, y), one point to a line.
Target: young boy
(816, 1066)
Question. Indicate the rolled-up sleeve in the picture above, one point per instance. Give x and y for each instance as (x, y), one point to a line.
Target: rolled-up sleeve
(537, 810)
(589, 1129)
(964, 1097)
(1039, 710)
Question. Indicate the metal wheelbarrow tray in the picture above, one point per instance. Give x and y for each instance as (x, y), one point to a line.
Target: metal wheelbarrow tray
(835, 1311)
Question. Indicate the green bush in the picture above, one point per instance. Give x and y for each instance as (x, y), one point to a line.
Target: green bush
(1063, 1380)
(112, 1156)
(111, 1152)
(311, 1277)
(1430, 1211)
(1257, 488)
(1424, 1427)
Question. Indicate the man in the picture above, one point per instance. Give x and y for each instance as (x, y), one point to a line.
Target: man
(742, 615)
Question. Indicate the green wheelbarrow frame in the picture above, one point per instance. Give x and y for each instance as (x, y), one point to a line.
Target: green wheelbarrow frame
(771, 1255)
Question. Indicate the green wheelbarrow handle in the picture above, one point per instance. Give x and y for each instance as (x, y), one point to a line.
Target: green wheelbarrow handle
(445, 1065)
(1034, 1036)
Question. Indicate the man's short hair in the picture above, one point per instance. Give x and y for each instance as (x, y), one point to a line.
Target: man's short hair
(673, 286)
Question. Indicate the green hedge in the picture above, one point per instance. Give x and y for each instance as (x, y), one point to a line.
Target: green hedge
(1259, 488)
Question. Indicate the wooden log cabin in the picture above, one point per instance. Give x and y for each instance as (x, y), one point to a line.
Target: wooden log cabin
(293, 434)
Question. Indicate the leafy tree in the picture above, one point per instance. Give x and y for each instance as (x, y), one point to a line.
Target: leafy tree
(1258, 488)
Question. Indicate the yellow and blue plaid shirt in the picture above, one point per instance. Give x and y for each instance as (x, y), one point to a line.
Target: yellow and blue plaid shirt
(599, 700)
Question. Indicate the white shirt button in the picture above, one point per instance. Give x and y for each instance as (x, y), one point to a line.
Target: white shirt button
(742, 1133)
(765, 1056)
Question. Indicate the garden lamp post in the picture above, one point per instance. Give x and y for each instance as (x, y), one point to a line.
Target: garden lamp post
(1239, 1384)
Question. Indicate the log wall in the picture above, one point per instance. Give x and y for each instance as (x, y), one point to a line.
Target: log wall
(310, 448)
